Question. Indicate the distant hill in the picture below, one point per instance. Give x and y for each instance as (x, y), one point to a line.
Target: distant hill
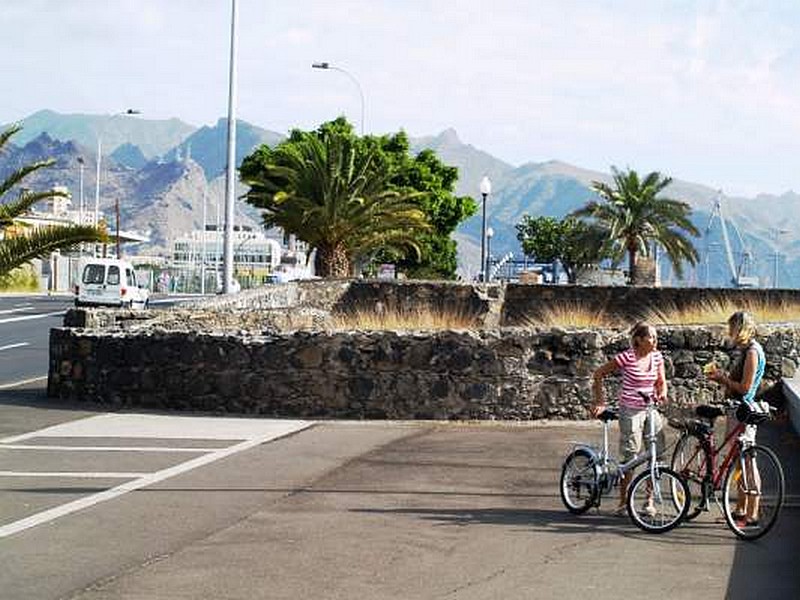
(163, 199)
(472, 163)
(208, 146)
(153, 137)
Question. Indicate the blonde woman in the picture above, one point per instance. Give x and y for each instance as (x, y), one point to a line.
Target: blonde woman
(742, 382)
(642, 370)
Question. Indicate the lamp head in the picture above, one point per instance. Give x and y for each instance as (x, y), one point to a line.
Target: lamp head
(486, 186)
(490, 232)
(320, 65)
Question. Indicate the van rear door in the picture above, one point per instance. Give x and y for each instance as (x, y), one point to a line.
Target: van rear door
(93, 283)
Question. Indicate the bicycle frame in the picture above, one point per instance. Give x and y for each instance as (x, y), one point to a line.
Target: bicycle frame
(609, 466)
(714, 473)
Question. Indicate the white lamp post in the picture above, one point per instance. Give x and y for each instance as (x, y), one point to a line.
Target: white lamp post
(227, 258)
(81, 162)
(776, 233)
(130, 111)
(486, 189)
(489, 236)
(329, 67)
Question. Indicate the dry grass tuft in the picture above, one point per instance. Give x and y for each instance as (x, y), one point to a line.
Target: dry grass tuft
(418, 318)
(572, 314)
(717, 312)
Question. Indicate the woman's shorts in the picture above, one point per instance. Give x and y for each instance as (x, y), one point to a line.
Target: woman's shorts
(632, 427)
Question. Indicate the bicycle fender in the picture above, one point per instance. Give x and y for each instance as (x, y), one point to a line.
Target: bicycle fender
(592, 451)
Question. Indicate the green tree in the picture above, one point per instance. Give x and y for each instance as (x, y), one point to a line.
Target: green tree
(423, 180)
(329, 191)
(635, 216)
(20, 244)
(572, 242)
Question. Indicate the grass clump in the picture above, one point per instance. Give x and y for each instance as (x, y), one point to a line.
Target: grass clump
(415, 318)
(572, 314)
(717, 312)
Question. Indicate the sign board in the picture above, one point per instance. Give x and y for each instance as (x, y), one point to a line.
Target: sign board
(386, 271)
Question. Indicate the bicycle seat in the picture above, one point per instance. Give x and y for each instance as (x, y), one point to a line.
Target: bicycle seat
(747, 413)
(706, 411)
(609, 414)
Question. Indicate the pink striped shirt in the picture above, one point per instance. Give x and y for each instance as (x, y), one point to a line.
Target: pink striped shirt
(636, 379)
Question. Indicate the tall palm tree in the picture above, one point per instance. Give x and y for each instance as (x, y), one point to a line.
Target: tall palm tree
(28, 244)
(329, 192)
(635, 215)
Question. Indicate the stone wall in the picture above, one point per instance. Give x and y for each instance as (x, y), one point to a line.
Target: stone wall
(501, 373)
(274, 351)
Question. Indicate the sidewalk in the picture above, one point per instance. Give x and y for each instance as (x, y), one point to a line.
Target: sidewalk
(378, 510)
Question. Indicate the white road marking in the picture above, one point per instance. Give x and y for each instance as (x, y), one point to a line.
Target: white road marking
(17, 345)
(7, 386)
(105, 448)
(255, 432)
(133, 425)
(13, 310)
(29, 317)
(75, 474)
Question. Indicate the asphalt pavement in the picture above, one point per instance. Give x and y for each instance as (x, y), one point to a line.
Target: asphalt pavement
(340, 510)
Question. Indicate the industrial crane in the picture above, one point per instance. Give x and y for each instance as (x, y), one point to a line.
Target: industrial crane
(741, 276)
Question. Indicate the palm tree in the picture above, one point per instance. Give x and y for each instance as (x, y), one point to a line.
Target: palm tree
(329, 192)
(28, 244)
(635, 215)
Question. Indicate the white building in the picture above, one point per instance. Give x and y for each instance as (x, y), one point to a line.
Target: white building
(257, 259)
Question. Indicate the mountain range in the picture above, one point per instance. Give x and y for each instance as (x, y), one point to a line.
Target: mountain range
(161, 170)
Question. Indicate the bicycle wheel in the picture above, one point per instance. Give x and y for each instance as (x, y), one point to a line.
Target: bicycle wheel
(754, 484)
(579, 482)
(690, 461)
(658, 504)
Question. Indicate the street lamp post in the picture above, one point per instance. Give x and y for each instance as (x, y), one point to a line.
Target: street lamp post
(81, 162)
(227, 258)
(776, 233)
(130, 111)
(486, 189)
(329, 67)
(489, 236)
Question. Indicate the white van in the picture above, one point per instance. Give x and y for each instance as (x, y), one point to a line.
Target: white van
(109, 282)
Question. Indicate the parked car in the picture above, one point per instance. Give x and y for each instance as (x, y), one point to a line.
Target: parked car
(110, 282)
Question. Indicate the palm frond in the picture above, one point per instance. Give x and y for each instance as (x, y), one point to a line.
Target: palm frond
(18, 250)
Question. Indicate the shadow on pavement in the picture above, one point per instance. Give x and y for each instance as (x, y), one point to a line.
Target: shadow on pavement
(561, 522)
(35, 396)
(768, 568)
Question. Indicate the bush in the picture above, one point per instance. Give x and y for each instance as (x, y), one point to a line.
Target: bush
(21, 279)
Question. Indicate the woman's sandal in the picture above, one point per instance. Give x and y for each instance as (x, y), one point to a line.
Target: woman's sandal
(743, 522)
(621, 511)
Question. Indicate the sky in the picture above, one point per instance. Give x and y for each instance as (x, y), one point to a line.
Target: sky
(704, 91)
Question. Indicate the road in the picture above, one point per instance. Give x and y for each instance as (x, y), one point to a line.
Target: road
(125, 506)
(25, 323)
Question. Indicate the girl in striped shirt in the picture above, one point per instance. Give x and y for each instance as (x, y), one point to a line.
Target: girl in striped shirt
(642, 369)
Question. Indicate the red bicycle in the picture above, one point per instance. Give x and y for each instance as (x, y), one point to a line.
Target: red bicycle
(750, 476)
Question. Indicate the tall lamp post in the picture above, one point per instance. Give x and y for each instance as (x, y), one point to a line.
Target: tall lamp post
(130, 111)
(81, 162)
(489, 236)
(227, 255)
(486, 189)
(329, 67)
(776, 233)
